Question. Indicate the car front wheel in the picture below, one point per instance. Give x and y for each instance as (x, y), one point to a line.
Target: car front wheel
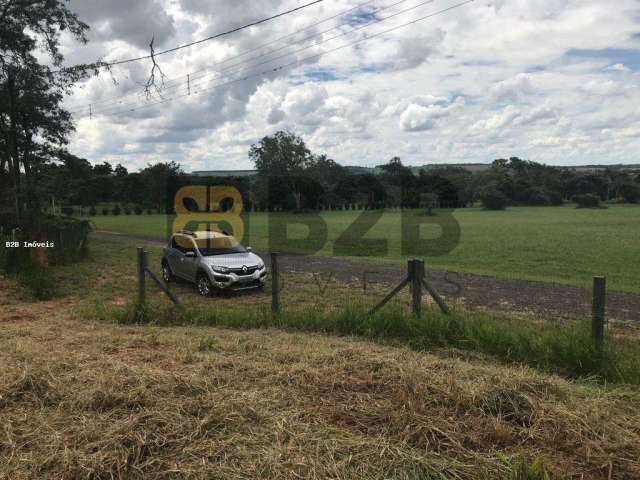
(204, 286)
(167, 274)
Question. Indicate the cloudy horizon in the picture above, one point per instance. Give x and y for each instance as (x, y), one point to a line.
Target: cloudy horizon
(555, 82)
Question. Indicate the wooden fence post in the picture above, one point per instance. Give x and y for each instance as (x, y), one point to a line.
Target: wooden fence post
(141, 279)
(275, 284)
(598, 309)
(416, 272)
(161, 285)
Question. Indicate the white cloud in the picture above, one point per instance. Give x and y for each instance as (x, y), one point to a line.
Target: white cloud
(418, 117)
(543, 80)
(513, 89)
(618, 67)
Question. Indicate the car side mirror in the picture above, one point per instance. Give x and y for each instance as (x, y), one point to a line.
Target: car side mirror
(190, 254)
(249, 249)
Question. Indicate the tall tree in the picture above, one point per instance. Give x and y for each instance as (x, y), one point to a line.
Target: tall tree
(33, 125)
(281, 159)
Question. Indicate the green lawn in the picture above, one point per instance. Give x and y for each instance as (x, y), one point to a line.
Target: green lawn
(555, 244)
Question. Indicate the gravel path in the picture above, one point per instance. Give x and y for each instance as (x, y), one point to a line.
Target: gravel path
(473, 291)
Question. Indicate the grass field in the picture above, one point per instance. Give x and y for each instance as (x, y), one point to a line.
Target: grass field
(557, 244)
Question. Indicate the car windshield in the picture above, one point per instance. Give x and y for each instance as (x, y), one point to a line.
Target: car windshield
(209, 247)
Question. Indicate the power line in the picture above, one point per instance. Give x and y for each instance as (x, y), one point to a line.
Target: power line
(118, 99)
(298, 62)
(233, 69)
(197, 42)
(288, 65)
(359, 27)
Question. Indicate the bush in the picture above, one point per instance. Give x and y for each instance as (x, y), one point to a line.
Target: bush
(494, 199)
(138, 210)
(68, 211)
(39, 280)
(92, 212)
(538, 196)
(117, 210)
(105, 211)
(555, 198)
(127, 211)
(630, 191)
(588, 200)
(149, 211)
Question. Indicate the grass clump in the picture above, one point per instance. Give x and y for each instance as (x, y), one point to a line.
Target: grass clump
(38, 280)
(525, 469)
(209, 344)
(567, 349)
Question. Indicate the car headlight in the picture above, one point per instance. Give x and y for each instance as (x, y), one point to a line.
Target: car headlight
(220, 269)
(260, 265)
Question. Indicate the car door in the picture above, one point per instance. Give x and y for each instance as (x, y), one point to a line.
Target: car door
(189, 264)
(174, 256)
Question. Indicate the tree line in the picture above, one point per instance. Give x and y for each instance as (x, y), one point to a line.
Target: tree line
(290, 177)
(36, 169)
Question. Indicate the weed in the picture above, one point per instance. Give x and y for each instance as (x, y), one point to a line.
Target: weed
(567, 349)
(209, 344)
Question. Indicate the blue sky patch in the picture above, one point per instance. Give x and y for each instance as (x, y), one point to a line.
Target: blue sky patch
(360, 17)
(628, 57)
(321, 75)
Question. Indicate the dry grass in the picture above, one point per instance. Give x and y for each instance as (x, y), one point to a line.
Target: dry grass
(81, 399)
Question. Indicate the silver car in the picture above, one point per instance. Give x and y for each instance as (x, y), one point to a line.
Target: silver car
(212, 260)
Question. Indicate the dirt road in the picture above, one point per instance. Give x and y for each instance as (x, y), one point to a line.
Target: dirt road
(472, 291)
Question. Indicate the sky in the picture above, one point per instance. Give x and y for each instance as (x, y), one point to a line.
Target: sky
(553, 81)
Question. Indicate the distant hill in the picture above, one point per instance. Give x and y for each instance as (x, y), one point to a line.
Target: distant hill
(470, 167)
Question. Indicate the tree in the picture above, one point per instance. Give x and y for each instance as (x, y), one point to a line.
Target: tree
(325, 176)
(429, 201)
(493, 198)
(33, 125)
(159, 184)
(450, 184)
(630, 191)
(588, 200)
(281, 160)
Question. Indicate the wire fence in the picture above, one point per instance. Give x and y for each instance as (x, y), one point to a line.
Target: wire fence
(415, 279)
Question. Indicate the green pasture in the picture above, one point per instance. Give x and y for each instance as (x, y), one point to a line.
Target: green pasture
(551, 244)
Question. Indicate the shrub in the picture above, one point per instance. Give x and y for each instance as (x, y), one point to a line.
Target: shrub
(149, 211)
(538, 196)
(588, 200)
(117, 210)
(555, 198)
(137, 210)
(39, 280)
(68, 211)
(105, 211)
(494, 199)
(92, 212)
(630, 191)
(127, 211)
